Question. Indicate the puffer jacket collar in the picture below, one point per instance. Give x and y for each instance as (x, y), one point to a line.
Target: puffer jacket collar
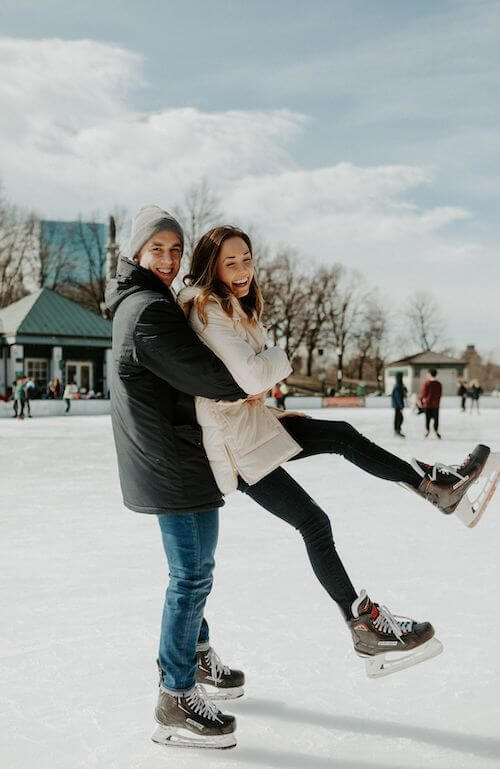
(130, 279)
(189, 294)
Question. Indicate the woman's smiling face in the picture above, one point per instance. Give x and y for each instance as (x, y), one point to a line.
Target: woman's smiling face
(235, 266)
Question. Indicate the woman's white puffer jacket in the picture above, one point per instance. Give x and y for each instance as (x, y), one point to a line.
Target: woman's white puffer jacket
(240, 437)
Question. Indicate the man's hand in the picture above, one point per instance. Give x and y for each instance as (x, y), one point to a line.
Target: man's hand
(259, 398)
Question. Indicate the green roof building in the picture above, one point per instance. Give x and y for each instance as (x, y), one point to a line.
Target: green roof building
(46, 335)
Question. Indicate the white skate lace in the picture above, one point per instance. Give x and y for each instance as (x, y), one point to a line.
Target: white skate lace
(217, 668)
(439, 467)
(200, 703)
(391, 623)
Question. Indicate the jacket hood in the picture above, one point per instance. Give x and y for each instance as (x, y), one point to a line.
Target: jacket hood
(130, 279)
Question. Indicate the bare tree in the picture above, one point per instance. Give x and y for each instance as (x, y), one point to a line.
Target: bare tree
(88, 281)
(199, 211)
(371, 334)
(16, 245)
(424, 321)
(53, 258)
(319, 288)
(343, 308)
(285, 301)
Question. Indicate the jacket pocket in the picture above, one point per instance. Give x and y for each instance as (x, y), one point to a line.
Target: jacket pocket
(248, 427)
(187, 435)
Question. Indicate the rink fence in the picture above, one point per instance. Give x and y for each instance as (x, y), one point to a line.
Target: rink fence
(50, 408)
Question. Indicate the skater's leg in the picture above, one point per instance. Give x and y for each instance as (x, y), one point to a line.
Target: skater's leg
(282, 496)
(324, 436)
(428, 414)
(189, 541)
(398, 420)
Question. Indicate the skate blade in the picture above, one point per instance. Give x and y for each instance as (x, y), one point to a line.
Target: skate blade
(379, 665)
(176, 736)
(478, 496)
(232, 693)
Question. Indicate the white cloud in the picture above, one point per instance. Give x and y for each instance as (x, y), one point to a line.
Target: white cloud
(72, 143)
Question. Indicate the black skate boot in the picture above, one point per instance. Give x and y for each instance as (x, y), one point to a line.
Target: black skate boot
(192, 720)
(221, 682)
(376, 632)
(446, 485)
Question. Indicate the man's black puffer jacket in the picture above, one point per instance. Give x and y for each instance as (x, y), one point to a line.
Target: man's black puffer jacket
(159, 364)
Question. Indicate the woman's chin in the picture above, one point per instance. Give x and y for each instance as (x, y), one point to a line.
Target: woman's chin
(241, 292)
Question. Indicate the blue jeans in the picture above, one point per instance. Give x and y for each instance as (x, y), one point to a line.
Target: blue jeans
(189, 541)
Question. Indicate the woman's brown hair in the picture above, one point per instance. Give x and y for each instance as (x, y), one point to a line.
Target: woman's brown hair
(203, 273)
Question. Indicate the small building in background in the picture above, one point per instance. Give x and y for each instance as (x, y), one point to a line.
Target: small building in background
(45, 335)
(415, 367)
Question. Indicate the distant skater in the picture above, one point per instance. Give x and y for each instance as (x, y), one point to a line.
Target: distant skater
(398, 403)
(430, 397)
(475, 393)
(20, 397)
(29, 391)
(69, 393)
(462, 394)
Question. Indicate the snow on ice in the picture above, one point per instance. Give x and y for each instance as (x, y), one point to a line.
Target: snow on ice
(82, 590)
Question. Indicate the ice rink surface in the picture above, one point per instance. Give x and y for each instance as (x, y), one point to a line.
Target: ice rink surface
(82, 584)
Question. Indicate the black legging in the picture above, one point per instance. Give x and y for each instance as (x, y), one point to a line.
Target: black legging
(282, 496)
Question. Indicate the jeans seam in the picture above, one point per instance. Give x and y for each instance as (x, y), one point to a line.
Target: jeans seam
(192, 598)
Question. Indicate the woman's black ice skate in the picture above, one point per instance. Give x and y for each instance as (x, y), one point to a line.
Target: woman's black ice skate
(192, 720)
(221, 682)
(376, 633)
(446, 486)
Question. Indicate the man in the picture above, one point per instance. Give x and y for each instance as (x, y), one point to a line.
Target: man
(429, 397)
(159, 365)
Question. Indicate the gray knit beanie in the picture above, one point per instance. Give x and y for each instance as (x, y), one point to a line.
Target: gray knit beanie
(148, 222)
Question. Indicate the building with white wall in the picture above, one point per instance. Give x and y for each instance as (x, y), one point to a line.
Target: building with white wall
(45, 335)
(415, 367)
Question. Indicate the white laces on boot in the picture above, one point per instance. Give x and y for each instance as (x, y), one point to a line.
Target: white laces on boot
(439, 467)
(391, 623)
(199, 701)
(217, 668)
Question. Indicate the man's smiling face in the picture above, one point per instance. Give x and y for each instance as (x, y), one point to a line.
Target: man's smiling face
(162, 255)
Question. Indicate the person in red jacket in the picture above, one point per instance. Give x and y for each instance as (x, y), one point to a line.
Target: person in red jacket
(429, 397)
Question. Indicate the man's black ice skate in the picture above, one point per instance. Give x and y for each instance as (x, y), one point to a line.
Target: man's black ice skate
(192, 720)
(446, 485)
(221, 682)
(376, 632)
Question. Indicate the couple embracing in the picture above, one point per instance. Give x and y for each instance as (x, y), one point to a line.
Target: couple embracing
(190, 423)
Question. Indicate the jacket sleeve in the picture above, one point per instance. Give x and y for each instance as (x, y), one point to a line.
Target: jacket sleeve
(423, 393)
(168, 347)
(255, 372)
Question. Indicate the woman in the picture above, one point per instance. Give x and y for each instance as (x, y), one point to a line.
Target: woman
(246, 442)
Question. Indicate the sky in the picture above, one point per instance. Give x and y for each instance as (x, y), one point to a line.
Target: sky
(361, 132)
